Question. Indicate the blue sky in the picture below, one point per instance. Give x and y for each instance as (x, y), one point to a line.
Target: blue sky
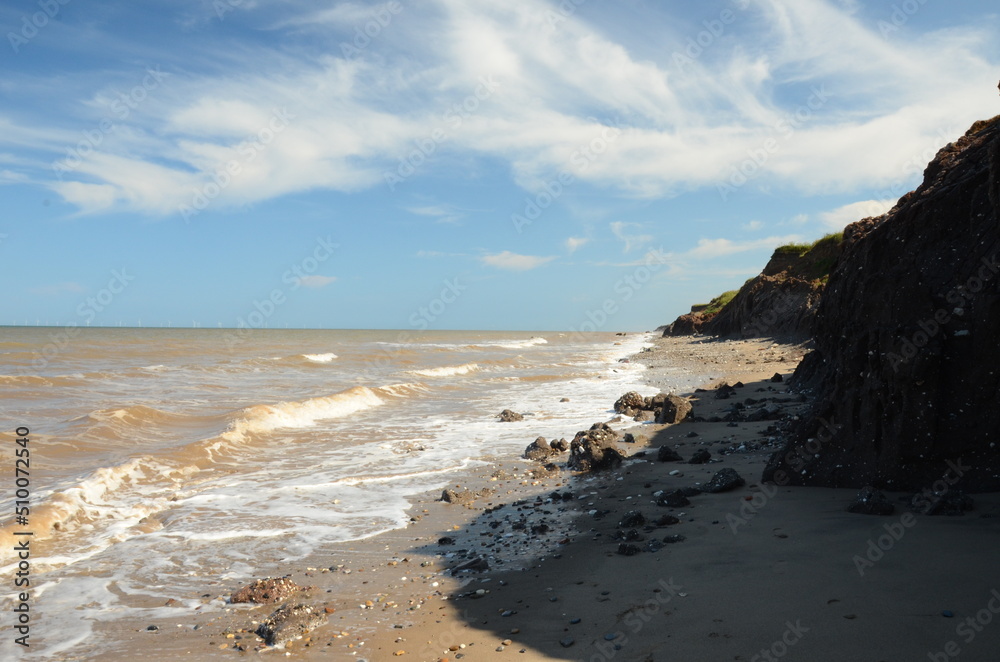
(524, 164)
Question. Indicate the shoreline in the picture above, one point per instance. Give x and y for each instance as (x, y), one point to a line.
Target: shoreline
(746, 577)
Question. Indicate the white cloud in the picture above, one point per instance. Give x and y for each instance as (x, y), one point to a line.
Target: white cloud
(316, 281)
(886, 105)
(514, 262)
(573, 243)
(441, 213)
(753, 226)
(840, 217)
(620, 230)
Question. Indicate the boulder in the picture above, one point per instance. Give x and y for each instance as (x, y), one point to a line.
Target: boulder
(671, 408)
(290, 622)
(724, 480)
(630, 401)
(266, 591)
(700, 457)
(508, 416)
(540, 450)
(668, 454)
(594, 449)
(673, 499)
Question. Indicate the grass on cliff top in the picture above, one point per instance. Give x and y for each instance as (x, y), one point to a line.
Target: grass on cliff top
(719, 302)
(802, 249)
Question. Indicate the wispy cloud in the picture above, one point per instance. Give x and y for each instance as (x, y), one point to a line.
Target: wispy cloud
(631, 241)
(840, 217)
(514, 262)
(315, 281)
(440, 213)
(573, 243)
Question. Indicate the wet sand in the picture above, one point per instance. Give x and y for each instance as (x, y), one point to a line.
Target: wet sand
(762, 573)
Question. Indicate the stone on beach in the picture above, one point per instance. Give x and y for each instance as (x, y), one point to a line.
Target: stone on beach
(668, 454)
(723, 481)
(594, 449)
(290, 622)
(266, 591)
(508, 416)
(871, 502)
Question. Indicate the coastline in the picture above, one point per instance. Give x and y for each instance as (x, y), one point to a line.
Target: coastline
(760, 568)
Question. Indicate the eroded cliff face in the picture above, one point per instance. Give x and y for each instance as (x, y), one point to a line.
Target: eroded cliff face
(907, 361)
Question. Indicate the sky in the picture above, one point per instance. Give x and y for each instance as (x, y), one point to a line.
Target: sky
(448, 164)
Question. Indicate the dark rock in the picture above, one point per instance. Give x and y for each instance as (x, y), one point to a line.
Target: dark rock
(723, 481)
(152, 628)
(567, 642)
(691, 491)
(540, 450)
(904, 366)
(630, 438)
(478, 564)
(777, 378)
(632, 518)
(266, 591)
(559, 445)
(645, 415)
(668, 454)
(628, 536)
(446, 540)
(674, 538)
(673, 499)
(654, 545)
(594, 449)
(508, 416)
(630, 401)
(724, 392)
(692, 434)
(666, 520)
(871, 502)
(670, 408)
(700, 457)
(290, 622)
(628, 549)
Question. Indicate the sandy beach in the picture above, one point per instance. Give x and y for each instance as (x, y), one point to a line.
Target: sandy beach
(757, 573)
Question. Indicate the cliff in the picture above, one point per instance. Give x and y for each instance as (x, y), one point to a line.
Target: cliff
(906, 366)
(781, 302)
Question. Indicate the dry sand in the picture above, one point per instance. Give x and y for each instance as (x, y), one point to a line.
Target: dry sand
(763, 572)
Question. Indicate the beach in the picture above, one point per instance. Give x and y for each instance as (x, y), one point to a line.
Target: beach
(761, 572)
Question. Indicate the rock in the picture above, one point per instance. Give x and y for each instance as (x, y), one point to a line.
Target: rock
(644, 416)
(630, 438)
(446, 540)
(674, 538)
(629, 401)
(668, 454)
(567, 642)
(465, 497)
(508, 416)
(904, 365)
(563, 399)
(594, 449)
(289, 622)
(673, 500)
(724, 392)
(777, 378)
(687, 324)
(700, 457)
(539, 449)
(666, 520)
(723, 481)
(628, 549)
(632, 518)
(559, 445)
(691, 491)
(670, 408)
(478, 564)
(871, 502)
(266, 591)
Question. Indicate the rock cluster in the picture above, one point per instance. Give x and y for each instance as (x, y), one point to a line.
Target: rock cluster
(663, 407)
(594, 449)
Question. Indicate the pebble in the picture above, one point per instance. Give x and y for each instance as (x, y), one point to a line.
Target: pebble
(567, 642)
(948, 613)
(610, 637)
(575, 621)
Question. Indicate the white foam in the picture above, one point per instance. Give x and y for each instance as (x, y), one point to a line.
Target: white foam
(448, 370)
(320, 358)
(260, 419)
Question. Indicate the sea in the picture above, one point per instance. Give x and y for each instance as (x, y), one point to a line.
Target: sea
(161, 457)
